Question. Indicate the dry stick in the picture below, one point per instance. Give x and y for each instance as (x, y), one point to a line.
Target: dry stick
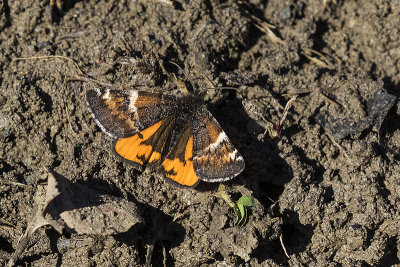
(19, 184)
(340, 148)
(221, 88)
(164, 256)
(323, 62)
(274, 38)
(50, 57)
(289, 104)
(278, 127)
(283, 246)
(149, 254)
(265, 27)
(33, 225)
(168, 2)
(7, 223)
(84, 78)
(270, 199)
(327, 99)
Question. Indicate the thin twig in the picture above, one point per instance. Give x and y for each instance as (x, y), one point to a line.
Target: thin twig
(322, 61)
(7, 223)
(164, 256)
(288, 105)
(327, 99)
(221, 88)
(84, 78)
(283, 246)
(340, 148)
(19, 184)
(149, 254)
(50, 57)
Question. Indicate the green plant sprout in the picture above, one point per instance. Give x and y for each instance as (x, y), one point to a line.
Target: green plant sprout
(240, 208)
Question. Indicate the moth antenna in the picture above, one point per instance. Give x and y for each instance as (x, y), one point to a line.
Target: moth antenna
(179, 67)
(184, 73)
(181, 84)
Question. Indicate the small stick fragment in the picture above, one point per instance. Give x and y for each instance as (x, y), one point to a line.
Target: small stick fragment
(167, 2)
(283, 246)
(6, 223)
(289, 104)
(327, 99)
(274, 38)
(84, 78)
(340, 148)
(50, 57)
(164, 256)
(19, 184)
(149, 254)
(321, 60)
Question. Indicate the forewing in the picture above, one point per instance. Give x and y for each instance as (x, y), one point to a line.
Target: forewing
(122, 114)
(215, 159)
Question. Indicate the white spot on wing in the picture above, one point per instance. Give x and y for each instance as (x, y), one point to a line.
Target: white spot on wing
(233, 154)
(222, 136)
(106, 94)
(132, 100)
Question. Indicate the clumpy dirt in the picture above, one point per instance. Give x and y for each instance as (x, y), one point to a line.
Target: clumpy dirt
(324, 199)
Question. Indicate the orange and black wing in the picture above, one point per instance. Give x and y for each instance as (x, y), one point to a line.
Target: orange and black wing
(140, 120)
(124, 113)
(147, 146)
(215, 159)
(178, 163)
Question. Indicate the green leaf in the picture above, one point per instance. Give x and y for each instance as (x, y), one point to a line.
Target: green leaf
(240, 209)
(236, 210)
(243, 204)
(248, 202)
(242, 221)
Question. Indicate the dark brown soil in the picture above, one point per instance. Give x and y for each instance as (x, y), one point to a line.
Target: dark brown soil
(332, 198)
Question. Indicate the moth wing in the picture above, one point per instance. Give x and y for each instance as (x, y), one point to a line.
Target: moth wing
(178, 163)
(122, 114)
(215, 159)
(148, 145)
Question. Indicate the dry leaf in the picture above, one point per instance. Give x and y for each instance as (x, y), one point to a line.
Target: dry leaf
(77, 209)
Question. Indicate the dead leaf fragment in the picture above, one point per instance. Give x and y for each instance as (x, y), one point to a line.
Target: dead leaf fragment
(78, 210)
(361, 104)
